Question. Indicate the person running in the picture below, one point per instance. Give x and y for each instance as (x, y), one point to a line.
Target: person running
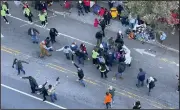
(33, 33)
(19, 65)
(3, 14)
(80, 8)
(80, 74)
(112, 92)
(95, 54)
(141, 77)
(5, 7)
(28, 14)
(137, 105)
(121, 69)
(53, 33)
(108, 100)
(32, 82)
(150, 83)
(42, 18)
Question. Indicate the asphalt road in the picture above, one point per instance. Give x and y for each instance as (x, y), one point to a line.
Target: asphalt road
(70, 93)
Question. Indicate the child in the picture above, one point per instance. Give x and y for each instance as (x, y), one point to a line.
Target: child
(96, 22)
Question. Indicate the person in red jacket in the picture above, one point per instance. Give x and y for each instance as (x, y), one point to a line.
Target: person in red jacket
(96, 22)
(86, 5)
(84, 50)
(101, 12)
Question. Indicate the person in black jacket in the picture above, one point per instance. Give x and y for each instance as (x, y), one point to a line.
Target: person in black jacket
(19, 65)
(80, 56)
(137, 105)
(103, 25)
(32, 82)
(107, 17)
(121, 69)
(99, 36)
(53, 33)
(42, 89)
(80, 8)
(80, 74)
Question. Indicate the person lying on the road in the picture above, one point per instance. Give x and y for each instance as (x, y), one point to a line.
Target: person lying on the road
(32, 83)
(19, 65)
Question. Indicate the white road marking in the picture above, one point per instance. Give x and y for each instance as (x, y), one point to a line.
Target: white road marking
(142, 51)
(37, 21)
(58, 33)
(32, 96)
(2, 36)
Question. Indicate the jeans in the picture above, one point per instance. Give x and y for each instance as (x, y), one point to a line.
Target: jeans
(53, 97)
(20, 69)
(116, 75)
(108, 105)
(80, 60)
(82, 82)
(5, 19)
(142, 83)
(34, 38)
(67, 56)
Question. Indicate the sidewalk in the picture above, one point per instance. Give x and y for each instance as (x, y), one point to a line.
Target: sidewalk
(171, 43)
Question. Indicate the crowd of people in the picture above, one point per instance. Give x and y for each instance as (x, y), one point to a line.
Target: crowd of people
(104, 54)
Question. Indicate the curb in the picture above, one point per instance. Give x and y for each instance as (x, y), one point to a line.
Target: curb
(149, 42)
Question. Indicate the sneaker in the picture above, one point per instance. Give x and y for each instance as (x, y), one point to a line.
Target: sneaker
(46, 22)
(7, 22)
(9, 14)
(38, 93)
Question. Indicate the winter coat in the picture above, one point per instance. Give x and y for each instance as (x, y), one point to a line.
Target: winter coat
(32, 81)
(151, 82)
(4, 7)
(121, 67)
(119, 40)
(79, 6)
(101, 12)
(103, 68)
(108, 99)
(18, 63)
(94, 54)
(67, 49)
(99, 35)
(3, 13)
(74, 47)
(80, 72)
(112, 92)
(33, 31)
(141, 76)
(86, 2)
(53, 32)
(83, 48)
(80, 54)
(96, 22)
(102, 23)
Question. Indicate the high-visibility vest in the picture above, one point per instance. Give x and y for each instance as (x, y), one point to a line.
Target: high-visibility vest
(4, 7)
(45, 13)
(27, 11)
(3, 13)
(42, 17)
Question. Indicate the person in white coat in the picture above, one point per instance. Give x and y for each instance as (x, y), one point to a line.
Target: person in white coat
(128, 57)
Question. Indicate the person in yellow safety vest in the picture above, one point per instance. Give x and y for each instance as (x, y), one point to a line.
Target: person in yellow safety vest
(103, 69)
(95, 54)
(5, 7)
(43, 49)
(45, 13)
(28, 14)
(3, 14)
(42, 19)
(114, 12)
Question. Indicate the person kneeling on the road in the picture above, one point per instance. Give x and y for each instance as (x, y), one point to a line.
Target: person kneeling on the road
(80, 74)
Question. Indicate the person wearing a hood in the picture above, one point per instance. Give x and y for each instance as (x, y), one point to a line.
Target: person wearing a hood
(137, 105)
(44, 49)
(99, 36)
(19, 65)
(53, 33)
(95, 54)
(121, 69)
(108, 100)
(103, 25)
(67, 50)
(28, 14)
(112, 92)
(33, 33)
(150, 83)
(32, 82)
(103, 69)
(3, 14)
(80, 74)
(80, 8)
(74, 48)
(141, 77)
